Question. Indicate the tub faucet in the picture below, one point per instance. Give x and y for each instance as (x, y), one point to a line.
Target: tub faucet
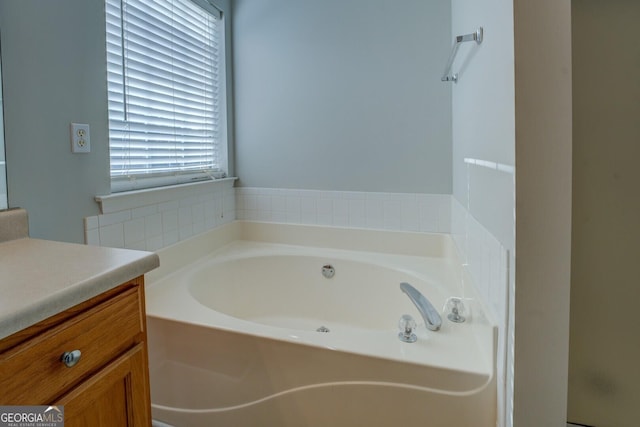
(432, 319)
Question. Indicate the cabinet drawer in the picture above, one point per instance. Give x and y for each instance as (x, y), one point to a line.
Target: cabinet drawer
(32, 373)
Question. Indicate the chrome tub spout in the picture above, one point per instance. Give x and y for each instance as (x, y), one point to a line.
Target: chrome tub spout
(432, 319)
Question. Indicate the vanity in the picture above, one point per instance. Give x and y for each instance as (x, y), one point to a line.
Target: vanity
(73, 328)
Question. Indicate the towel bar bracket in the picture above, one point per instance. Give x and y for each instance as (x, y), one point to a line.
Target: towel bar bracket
(476, 36)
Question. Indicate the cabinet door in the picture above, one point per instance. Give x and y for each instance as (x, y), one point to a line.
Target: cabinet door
(116, 396)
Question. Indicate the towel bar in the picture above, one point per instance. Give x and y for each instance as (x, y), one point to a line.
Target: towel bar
(476, 37)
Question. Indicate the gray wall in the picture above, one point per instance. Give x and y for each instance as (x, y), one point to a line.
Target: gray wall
(54, 72)
(3, 173)
(604, 380)
(484, 115)
(343, 95)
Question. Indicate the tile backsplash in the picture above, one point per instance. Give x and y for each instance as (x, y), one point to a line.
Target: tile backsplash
(154, 226)
(157, 225)
(489, 264)
(383, 211)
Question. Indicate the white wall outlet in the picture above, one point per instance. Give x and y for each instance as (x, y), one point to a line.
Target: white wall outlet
(80, 141)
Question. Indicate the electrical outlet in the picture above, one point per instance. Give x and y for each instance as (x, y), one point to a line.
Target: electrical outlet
(80, 141)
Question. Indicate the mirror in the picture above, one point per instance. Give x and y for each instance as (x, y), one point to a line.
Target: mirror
(3, 162)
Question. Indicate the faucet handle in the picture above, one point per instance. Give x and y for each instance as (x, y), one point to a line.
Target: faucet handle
(406, 324)
(456, 309)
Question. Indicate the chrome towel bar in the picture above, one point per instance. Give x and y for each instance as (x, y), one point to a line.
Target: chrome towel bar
(476, 37)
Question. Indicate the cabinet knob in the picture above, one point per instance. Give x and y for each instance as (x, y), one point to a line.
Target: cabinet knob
(70, 358)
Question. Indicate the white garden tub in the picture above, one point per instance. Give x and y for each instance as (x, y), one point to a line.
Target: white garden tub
(253, 334)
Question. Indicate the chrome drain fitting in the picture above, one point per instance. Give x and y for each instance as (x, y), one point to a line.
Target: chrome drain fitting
(328, 271)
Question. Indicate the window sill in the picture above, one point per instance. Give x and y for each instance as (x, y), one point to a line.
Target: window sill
(133, 199)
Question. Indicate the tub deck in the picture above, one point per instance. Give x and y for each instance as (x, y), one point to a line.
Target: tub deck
(225, 366)
(454, 347)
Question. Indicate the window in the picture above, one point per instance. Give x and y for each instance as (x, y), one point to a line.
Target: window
(165, 70)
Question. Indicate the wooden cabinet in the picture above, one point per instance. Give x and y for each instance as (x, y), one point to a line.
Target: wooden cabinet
(113, 396)
(108, 386)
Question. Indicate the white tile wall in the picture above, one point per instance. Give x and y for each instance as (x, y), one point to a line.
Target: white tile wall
(390, 211)
(488, 263)
(157, 225)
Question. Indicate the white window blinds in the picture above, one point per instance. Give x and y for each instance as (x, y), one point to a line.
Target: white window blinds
(165, 81)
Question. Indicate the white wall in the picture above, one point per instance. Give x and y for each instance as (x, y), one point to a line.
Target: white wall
(54, 73)
(342, 95)
(543, 210)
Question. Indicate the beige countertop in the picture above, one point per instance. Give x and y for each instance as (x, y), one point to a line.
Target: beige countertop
(40, 278)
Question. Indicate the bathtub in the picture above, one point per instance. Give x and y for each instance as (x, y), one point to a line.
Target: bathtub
(245, 330)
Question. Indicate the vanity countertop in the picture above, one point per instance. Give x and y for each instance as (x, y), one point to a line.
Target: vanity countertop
(40, 278)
